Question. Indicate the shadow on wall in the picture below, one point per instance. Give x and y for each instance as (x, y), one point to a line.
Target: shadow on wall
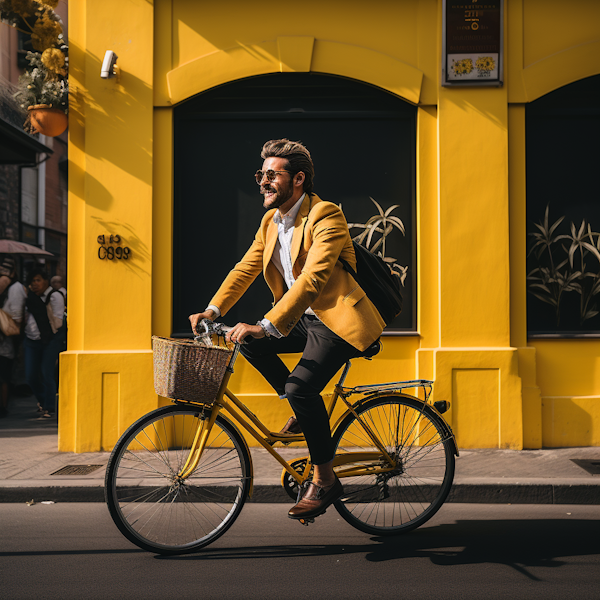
(94, 192)
(567, 424)
(117, 113)
(139, 250)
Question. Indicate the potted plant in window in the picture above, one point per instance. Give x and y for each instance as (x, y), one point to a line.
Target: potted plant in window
(43, 91)
(43, 88)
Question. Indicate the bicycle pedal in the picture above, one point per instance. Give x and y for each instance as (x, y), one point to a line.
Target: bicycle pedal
(306, 521)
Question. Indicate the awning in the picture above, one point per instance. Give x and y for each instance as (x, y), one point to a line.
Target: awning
(16, 146)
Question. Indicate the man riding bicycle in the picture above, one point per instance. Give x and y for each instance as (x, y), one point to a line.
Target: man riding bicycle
(319, 309)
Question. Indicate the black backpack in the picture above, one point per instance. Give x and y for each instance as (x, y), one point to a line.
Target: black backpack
(381, 285)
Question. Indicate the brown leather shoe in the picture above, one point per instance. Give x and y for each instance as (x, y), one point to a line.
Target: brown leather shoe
(316, 500)
(292, 426)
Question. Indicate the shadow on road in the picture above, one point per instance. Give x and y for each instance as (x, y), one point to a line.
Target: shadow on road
(94, 552)
(522, 545)
(519, 544)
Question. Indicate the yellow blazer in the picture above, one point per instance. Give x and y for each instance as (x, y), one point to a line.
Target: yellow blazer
(320, 237)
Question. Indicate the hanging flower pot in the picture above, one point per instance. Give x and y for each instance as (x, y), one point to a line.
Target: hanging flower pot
(47, 120)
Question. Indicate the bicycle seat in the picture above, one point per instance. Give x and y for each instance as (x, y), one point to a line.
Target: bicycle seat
(371, 351)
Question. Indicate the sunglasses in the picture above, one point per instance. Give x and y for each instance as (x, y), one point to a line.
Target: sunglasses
(269, 174)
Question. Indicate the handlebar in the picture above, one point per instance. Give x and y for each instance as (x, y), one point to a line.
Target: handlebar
(206, 328)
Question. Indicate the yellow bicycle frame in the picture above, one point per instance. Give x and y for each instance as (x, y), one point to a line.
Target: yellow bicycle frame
(227, 401)
(376, 461)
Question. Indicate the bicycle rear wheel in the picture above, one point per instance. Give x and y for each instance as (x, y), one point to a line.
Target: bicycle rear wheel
(404, 498)
(157, 510)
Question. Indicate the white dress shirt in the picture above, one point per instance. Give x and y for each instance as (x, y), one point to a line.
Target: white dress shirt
(282, 257)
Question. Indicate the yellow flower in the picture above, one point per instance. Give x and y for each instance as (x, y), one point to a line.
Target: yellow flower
(45, 33)
(485, 63)
(49, 3)
(462, 66)
(54, 60)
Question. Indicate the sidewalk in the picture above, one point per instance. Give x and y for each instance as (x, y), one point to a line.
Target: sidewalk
(28, 457)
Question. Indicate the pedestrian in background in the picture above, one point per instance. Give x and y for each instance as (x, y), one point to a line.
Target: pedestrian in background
(12, 301)
(44, 338)
(6, 268)
(57, 284)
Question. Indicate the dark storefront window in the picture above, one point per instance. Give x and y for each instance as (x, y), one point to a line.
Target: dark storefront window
(362, 141)
(563, 211)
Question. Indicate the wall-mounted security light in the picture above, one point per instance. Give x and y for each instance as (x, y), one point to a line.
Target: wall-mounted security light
(109, 66)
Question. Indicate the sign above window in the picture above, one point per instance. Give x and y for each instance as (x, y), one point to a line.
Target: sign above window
(473, 43)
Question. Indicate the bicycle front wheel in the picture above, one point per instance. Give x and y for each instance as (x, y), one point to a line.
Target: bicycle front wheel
(152, 505)
(389, 502)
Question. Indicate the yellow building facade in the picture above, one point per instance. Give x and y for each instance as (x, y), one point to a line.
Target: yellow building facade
(506, 390)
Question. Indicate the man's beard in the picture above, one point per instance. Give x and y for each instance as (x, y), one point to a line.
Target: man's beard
(280, 198)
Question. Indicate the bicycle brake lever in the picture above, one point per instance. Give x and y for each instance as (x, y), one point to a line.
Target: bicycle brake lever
(203, 337)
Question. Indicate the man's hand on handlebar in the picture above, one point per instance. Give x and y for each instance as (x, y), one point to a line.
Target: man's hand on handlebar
(195, 319)
(242, 330)
(236, 334)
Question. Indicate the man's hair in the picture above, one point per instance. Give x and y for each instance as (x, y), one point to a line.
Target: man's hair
(37, 271)
(298, 158)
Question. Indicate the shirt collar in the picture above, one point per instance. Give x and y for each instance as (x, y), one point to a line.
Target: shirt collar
(290, 217)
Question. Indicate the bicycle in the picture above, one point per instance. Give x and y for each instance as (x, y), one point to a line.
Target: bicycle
(179, 476)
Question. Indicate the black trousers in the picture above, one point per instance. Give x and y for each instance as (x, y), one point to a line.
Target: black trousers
(323, 353)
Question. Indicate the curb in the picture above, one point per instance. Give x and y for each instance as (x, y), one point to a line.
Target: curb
(511, 493)
(543, 493)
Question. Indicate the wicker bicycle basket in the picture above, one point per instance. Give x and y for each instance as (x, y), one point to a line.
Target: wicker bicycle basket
(184, 370)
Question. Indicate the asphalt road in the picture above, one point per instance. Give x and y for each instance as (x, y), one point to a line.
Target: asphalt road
(466, 551)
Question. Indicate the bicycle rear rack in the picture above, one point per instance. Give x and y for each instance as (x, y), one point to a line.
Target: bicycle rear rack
(394, 386)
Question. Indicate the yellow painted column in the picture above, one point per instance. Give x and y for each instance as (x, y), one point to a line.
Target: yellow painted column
(162, 262)
(106, 374)
(474, 250)
(532, 401)
(428, 305)
(475, 365)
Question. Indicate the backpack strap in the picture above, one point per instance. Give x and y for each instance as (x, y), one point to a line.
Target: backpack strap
(51, 318)
(347, 267)
(50, 294)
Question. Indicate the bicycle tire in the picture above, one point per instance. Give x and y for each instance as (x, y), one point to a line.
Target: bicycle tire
(405, 498)
(160, 513)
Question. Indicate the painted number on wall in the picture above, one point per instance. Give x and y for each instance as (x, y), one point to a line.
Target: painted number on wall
(110, 248)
